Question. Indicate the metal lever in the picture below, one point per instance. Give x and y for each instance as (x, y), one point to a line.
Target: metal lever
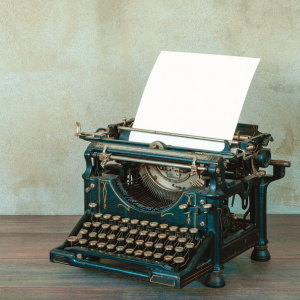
(79, 133)
(187, 209)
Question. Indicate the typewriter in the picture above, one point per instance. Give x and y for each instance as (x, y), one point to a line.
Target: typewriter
(162, 214)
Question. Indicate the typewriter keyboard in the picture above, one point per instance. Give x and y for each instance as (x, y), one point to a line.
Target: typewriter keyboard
(135, 239)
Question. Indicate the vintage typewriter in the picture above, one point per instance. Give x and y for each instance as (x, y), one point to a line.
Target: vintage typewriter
(162, 213)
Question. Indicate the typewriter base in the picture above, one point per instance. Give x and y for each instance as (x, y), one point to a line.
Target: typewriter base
(215, 279)
(260, 253)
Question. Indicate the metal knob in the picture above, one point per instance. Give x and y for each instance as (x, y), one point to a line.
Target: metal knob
(72, 240)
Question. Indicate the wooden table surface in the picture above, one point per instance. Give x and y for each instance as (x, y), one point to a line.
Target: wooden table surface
(26, 272)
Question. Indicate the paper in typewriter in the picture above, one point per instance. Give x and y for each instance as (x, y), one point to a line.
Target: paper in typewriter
(194, 94)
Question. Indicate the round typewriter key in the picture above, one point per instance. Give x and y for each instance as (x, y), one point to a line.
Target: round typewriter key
(179, 250)
(101, 246)
(169, 249)
(159, 247)
(172, 239)
(129, 252)
(182, 241)
(130, 242)
(144, 224)
(72, 240)
(125, 221)
(162, 237)
(106, 228)
(96, 225)
(163, 227)
(106, 218)
(133, 233)
(93, 235)
(93, 244)
(143, 234)
(116, 219)
(140, 244)
(148, 254)
(152, 236)
(84, 233)
(168, 259)
(157, 256)
(120, 249)
(93, 207)
(87, 226)
(134, 222)
(194, 232)
(154, 225)
(115, 229)
(178, 261)
(121, 241)
(124, 231)
(110, 247)
(138, 253)
(183, 230)
(190, 247)
(97, 217)
(111, 239)
(173, 229)
(102, 237)
(83, 243)
(149, 246)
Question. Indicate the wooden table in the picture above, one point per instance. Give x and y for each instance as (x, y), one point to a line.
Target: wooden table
(26, 272)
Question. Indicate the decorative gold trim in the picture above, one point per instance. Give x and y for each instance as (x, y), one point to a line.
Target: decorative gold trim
(162, 215)
(197, 274)
(124, 206)
(99, 193)
(162, 283)
(60, 262)
(104, 193)
(189, 219)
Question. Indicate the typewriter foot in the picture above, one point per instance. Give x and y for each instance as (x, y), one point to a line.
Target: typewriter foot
(260, 253)
(215, 279)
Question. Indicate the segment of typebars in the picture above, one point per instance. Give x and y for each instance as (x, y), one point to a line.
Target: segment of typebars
(140, 239)
(195, 137)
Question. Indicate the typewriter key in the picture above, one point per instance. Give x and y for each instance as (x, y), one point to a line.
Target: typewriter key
(148, 254)
(93, 235)
(149, 246)
(134, 222)
(93, 207)
(168, 259)
(159, 247)
(87, 226)
(162, 237)
(93, 244)
(130, 242)
(115, 229)
(144, 224)
(129, 252)
(106, 228)
(125, 221)
(102, 237)
(158, 256)
(152, 236)
(173, 229)
(143, 234)
(190, 247)
(140, 244)
(72, 240)
(124, 231)
(96, 225)
(110, 247)
(178, 261)
(154, 225)
(169, 249)
(183, 231)
(106, 218)
(84, 233)
(120, 249)
(101, 246)
(121, 241)
(111, 239)
(179, 250)
(97, 217)
(182, 241)
(163, 227)
(172, 239)
(138, 253)
(116, 219)
(194, 232)
(133, 233)
(83, 243)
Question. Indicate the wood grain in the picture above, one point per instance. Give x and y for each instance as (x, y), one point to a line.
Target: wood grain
(26, 273)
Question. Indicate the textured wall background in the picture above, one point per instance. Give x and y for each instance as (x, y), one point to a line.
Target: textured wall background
(89, 61)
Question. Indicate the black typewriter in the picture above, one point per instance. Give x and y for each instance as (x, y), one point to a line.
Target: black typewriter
(162, 214)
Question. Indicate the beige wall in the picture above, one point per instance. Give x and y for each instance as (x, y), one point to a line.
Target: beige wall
(88, 61)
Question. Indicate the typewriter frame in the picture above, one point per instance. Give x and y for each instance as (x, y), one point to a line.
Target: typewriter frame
(105, 190)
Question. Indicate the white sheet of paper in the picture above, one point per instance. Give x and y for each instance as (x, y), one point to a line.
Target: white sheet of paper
(194, 94)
